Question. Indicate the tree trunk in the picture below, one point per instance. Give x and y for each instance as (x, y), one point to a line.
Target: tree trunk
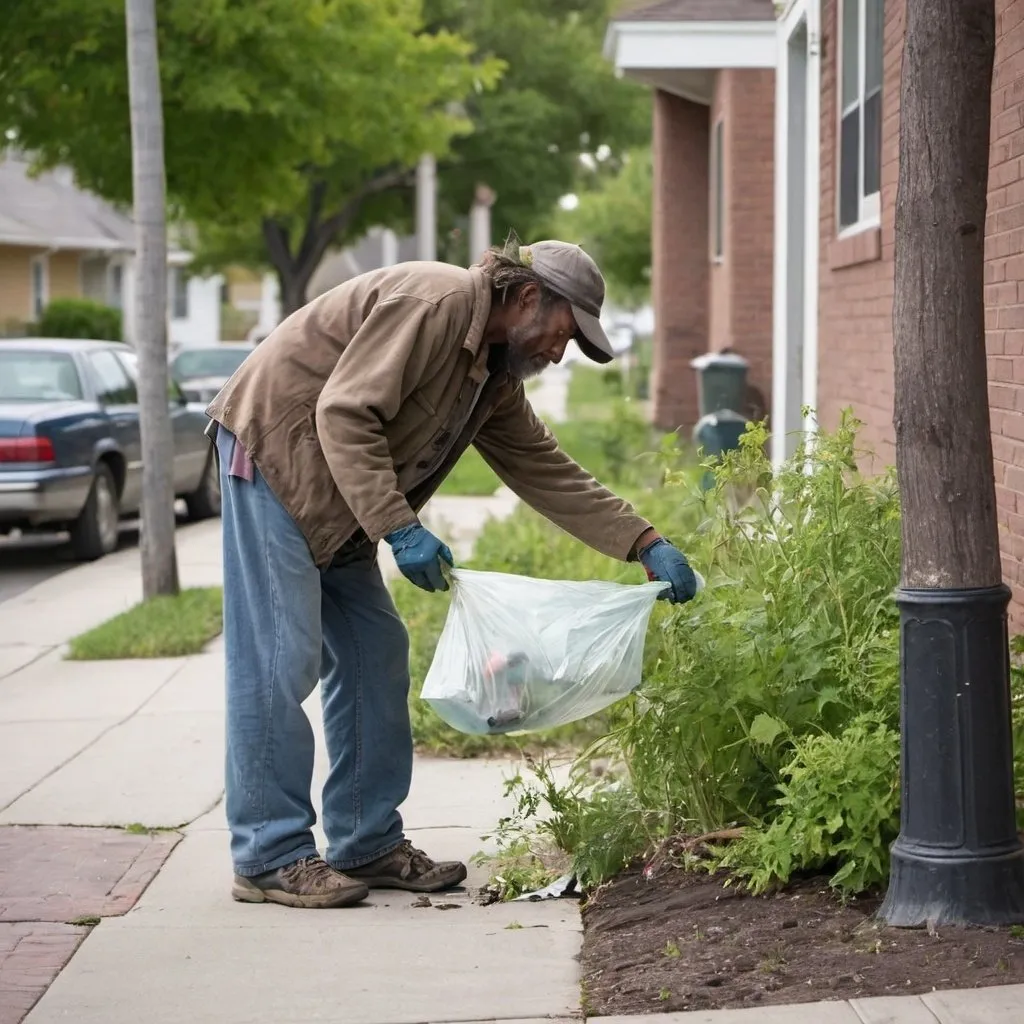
(957, 859)
(159, 558)
(294, 285)
(943, 440)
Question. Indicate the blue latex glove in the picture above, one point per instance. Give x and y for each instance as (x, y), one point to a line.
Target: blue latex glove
(418, 554)
(667, 564)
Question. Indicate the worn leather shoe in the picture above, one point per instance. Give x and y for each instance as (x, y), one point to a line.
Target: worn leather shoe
(310, 883)
(405, 867)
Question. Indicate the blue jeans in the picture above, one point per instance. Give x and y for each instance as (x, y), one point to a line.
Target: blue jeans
(286, 625)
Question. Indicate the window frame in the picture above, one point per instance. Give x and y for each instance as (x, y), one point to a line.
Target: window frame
(37, 303)
(178, 280)
(869, 206)
(717, 225)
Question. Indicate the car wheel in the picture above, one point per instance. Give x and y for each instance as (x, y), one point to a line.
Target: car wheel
(95, 532)
(204, 501)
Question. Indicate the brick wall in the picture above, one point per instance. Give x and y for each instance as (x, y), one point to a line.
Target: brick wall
(679, 284)
(750, 212)
(1004, 292)
(741, 280)
(856, 274)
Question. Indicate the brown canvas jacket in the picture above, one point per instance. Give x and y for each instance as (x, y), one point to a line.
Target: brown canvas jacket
(357, 405)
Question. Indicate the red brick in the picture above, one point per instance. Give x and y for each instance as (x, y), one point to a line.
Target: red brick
(32, 954)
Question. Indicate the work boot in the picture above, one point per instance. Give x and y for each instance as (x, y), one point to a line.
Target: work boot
(311, 883)
(408, 868)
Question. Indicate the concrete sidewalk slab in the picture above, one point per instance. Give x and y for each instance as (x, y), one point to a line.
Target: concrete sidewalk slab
(15, 656)
(159, 770)
(332, 969)
(30, 751)
(55, 689)
(892, 1010)
(196, 686)
(1003, 1004)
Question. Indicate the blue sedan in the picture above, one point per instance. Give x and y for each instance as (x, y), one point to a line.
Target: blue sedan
(70, 447)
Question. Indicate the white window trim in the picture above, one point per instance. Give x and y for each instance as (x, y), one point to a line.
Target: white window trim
(870, 206)
(716, 240)
(42, 261)
(176, 277)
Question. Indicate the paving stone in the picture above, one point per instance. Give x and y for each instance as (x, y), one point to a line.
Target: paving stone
(60, 874)
(32, 954)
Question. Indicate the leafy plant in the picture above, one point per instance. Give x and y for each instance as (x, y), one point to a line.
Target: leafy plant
(764, 685)
(79, 318)
(839, 805)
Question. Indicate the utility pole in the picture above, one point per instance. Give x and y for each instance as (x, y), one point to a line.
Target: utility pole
(159, 558)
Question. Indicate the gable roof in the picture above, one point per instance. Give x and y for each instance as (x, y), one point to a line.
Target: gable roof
(49, 211)
(701, 10)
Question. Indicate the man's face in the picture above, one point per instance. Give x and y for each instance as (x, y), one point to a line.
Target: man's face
(540, 336)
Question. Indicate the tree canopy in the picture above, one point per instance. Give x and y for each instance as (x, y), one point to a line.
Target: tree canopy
(281, 116)
(612, 221)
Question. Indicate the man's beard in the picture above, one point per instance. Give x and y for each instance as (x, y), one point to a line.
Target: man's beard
(520, 365)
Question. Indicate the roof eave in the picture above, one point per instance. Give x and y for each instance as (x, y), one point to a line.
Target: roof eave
(641, 46)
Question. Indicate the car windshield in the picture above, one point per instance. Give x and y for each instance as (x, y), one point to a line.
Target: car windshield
(32, 376)
(208, 362)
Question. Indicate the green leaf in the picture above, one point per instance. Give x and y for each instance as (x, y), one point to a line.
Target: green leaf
(765, 729)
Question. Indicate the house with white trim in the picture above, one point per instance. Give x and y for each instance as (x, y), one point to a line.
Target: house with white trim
(711, 66)
(59, 241)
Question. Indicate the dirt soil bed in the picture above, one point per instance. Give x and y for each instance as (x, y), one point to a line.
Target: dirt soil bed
(683, 942)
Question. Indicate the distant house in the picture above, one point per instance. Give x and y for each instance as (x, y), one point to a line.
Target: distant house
(58, 241)
(711, 64)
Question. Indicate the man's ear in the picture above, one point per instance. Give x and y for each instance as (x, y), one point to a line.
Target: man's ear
(528, 296)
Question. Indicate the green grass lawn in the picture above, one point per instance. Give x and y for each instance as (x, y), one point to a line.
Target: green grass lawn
(164, 627)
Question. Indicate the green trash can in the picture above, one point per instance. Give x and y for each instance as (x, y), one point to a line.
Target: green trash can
(721, 382)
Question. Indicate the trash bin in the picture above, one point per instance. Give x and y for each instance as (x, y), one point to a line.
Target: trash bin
(715, 434)
(721, 390)
(721, 382)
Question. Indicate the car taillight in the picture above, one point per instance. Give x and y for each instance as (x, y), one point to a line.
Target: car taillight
(26, 449)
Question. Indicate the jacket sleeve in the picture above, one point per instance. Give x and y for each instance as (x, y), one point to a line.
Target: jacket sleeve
(385, 361)
(526, 456)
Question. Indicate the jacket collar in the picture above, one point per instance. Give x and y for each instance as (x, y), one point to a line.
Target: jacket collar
(481, 312)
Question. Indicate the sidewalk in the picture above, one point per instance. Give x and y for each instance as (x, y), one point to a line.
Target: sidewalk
(90, 752)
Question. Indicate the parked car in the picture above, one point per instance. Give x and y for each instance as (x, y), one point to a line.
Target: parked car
(202, 370)
(70, 447)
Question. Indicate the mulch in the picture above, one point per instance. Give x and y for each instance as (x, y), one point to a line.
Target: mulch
(683, 941)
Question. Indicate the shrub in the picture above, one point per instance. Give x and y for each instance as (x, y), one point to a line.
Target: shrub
(79, 318)
(766, 684)
(839, 805)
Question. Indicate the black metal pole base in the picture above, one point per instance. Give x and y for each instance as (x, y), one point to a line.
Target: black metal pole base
(958, 859)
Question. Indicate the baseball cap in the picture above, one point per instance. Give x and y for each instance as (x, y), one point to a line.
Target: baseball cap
(566, 269)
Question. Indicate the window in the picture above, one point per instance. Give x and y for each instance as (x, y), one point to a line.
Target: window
(117, 285)
(718, 191)
(27, 376)
(179, 293)
(40, 286)
(113, 385)
(860, 131)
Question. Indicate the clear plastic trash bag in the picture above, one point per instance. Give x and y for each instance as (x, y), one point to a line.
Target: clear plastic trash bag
(519, 654)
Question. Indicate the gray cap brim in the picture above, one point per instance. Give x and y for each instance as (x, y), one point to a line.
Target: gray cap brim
(594, 344)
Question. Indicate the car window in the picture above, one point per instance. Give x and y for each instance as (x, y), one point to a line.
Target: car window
(207, 362)
(131, 362)
(27, 376)
(113, 384)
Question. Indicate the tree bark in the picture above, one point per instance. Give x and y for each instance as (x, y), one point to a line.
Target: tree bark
(943, 439)
(159, 557)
